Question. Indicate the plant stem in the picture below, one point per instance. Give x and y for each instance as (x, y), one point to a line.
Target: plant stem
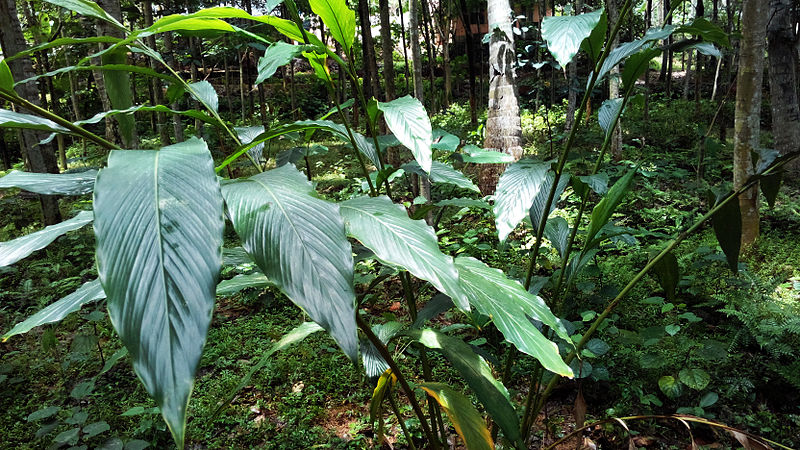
(384, 352)
(41, 112)
(396, 412)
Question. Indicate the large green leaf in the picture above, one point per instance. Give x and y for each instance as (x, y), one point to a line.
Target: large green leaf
(340, 20)
(445, 141)
(71, 41)
(539, 201)
(464, 203)
(77, 183)
(6, 79)
(158, 226)
(205, 93)
(510, 306)
(608, 113)
(276, 55)
(593, 45)
(118, 88)
(241, 282)
(11, 119)
(709, 32)
(605, 208)
(442, 173)
(87, 8)
(386, 229)
(56, 311)
(299, 242)
(477, 155)
(557, 232)
(104, 68)
(623, 51)
(14, 250)
(478, 375)
(193, 113)
(696, 379)
(409, 122)
(247, 135)
(462, 413)
(637, 65)
(564, 34)
(516, 190)
(727, 224)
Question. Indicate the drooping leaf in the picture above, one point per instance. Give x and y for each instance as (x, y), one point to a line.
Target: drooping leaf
(564, 34)
(597, 182)
(77, 183)
(770, 185)
(104, 68)
(627, 49)
(517, 188)
(158, 227)
(537, 207)
(727, 224)
(668, 273)
(16, 249)
(241, 282)
(709, 32)
(605, 208)
(478, 375)
(706, 48)
(409, 122)
(296, 154)
(298, 241)
(59, 42)
(386, 229)
(442, 173)
(462, 414)
(204, 92)
(510, 306)
(275, 56)
(56, 311)
(340, 20)
(87, 8)
(383, 386)
(696, 379)
(477, 155)
(608, 113)
(557, 232)
(297, 334)
(11, 119)
(593, 45)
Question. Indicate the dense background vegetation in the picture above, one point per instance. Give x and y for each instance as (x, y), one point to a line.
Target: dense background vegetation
(712, 331)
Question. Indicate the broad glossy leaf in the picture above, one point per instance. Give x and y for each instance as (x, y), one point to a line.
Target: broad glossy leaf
(382, 386)
(319, 64)
(192, 24)
(374, 364)
(158, 227)
(464, 203)
(696, 379)
(275, 56)
(670, 386)
(11, 119)
(517, 188)
(340, 20)
(608, 114)
(442, 173)
(118, 88)
(298, 241)
(557, 232)
(637, 65)
(248, 135)
(56, 311)
(87, 8)
(564, 34)
(241, 282)
(477, 155)
(63, 42)
(510, 305)
(593, 45)
(627, 49)
(537, 207)
(445, 141)
(409, 122)
(478, 375)
(709, 32)
(297, 334)
(16, 249)
(204, 92)
(706, 48)
(386, 229)
(193, 113)
(462, 414)
(605, 208)
(6, 79)
(77, 183)
(597, 182)
(727, 224)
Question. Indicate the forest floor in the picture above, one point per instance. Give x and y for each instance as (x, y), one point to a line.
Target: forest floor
(742, 330)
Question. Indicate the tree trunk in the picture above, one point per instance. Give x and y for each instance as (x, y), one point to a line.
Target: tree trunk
(648, 18)
(158, 95)
(431, 49)
(39, 158)
(613, 82)
(405, 45)
(387, 49)
(503, 127)
(572, 82)
(416, 52)
(782, 44)
(748, 110)
(473, 103)
(177, 122)
(368, 46)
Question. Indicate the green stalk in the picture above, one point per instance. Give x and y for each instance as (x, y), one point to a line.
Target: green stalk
(653, 262)
(403, 427)
(41, 112)
(384, 352)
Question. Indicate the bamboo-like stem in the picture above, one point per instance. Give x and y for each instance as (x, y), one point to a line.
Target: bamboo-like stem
(384, 352)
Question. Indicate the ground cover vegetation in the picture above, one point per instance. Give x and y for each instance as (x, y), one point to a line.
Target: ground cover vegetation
(489, 225)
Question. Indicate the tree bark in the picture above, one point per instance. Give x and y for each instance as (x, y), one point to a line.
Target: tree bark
(371, 85)
(782, 41)
(748, 110)
(503, 126)
(387, 48)
(39, 158)
(572, 81)
(177, 122)
(473, 103)
(416, 51)
(158, 95)
(613, 82)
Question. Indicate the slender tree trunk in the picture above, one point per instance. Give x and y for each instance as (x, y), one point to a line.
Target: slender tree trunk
(158, 96)
(39, 158)
(572, 81)
(368, 50)
(613, 82)
(473, 103)
(228, 99)
(431, 49)
(448, 76)
(177, 123)
(782, 49)
(748, 110)
(387, 49)
(405, 44)
(686, 69)
(503, 127)
(416, 52)
(648, 18)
